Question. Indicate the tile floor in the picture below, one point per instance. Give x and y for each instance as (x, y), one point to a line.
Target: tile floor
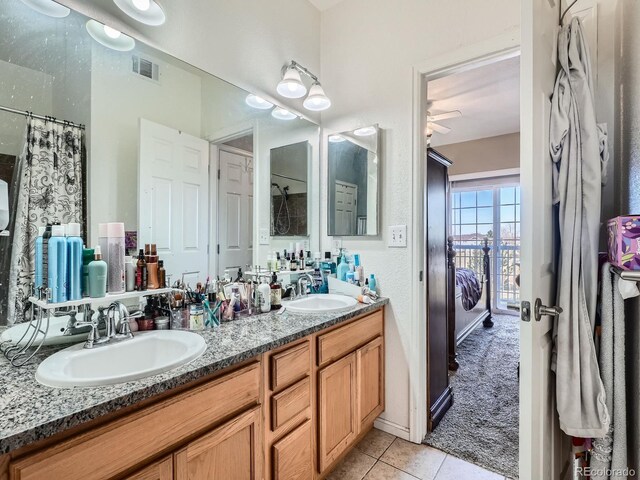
(382, 456)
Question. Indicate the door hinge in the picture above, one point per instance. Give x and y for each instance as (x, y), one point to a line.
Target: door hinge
(421, 275)
(218, 249)
(207, 249)
(218, 174)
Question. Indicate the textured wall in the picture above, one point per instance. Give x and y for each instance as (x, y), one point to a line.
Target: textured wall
(369, 49)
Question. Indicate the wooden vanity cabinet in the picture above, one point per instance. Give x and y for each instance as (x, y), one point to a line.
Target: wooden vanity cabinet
(160, 470)
(350, 386)
(231, 451)
(290, 414)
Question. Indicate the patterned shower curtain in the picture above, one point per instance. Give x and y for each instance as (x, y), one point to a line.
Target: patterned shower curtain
(48, 189)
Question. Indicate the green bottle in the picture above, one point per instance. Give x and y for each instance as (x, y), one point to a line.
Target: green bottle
(97, 275)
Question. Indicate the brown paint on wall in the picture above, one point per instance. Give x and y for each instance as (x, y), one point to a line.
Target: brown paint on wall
(484, 155)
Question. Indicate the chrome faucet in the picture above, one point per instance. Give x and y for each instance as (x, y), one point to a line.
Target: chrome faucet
(304, 278)
(113, 333)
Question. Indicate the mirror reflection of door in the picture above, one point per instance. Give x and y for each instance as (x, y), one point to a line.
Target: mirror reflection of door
(346, 207)
(235, 211)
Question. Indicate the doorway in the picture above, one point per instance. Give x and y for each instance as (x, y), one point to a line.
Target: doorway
(234, 205)
(473, 128)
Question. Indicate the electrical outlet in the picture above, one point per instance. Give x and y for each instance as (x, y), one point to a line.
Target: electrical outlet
(398, 236)
(264, 236)
(336, 245)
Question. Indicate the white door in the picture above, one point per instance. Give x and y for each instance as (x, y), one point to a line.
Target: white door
(235, 212)
(346, 208)
(173, 195)
(543, 452)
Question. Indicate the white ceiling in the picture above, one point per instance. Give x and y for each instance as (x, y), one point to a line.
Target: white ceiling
(487, 96)
(323, 5)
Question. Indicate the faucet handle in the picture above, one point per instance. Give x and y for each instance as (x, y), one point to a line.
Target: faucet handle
(125, 328)
(94, 333)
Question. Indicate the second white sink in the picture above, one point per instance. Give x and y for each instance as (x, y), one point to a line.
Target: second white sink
(322, 303)
(144, 355)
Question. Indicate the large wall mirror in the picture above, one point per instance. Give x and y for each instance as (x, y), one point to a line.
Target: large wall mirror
(353, 182)
(122, 132)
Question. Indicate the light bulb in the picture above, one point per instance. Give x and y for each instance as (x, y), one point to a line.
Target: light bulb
(111, 32)
(142, 5)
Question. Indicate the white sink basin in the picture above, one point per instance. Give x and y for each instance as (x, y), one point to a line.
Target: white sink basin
(323, 303)
(146, 354)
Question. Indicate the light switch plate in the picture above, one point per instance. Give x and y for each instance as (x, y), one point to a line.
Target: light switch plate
(264, 236)
(336, 245)
(398, 236)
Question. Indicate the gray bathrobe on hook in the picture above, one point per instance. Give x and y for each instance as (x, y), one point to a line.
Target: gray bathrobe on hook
(579, 153)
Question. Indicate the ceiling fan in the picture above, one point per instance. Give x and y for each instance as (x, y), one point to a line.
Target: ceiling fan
(432, 126)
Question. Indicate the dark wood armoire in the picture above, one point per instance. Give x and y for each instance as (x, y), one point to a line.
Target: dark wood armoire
(439, 393)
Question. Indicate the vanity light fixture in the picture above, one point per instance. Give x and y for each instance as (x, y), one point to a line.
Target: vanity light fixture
(291, 86)
(317, 100)
(48, 7)
(257, 102)
(282, 114)
(144, 11)
(365, 131)
(110, 37)
(336, 138)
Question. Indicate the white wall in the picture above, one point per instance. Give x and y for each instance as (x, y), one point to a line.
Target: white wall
(245, 42)
(369, 48)
(119, 99)
(24, 89)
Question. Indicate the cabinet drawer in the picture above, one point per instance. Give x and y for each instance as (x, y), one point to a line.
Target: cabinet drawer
(292, 458)
(289, 403)
(343, 340)
(290, 365)
(129, 441)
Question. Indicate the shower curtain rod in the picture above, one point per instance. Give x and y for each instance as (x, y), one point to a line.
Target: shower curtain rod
(287, 178)
(40, 117)
(633, 275)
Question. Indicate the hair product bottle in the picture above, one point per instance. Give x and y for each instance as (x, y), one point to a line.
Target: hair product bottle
(74, 261)
(141, 272)
(115, 258)
(57, 264)
(162, 275)
(38, 251)
(88, 255)
(98, 275)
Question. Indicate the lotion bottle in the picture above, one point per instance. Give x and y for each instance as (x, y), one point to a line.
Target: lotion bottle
(97, 275)
(265, 296)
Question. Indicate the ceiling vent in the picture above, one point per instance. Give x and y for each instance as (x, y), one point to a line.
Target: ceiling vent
(145, 68)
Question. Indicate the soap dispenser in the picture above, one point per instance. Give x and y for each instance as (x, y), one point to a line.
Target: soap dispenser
(97, 275)
(343, 267)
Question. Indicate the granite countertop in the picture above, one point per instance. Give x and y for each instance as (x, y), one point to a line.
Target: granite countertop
(32, 412)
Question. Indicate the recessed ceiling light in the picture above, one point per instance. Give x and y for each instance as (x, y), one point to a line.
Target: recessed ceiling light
(48, 7)
(257, 102)
(291, 85)
(110, 37)
(365, 131)
(283, 114)
(317, 100)
(336, 138)
(144, 11)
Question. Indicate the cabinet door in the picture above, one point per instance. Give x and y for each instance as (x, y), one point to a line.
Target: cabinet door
(370, 362)
(338, 422)
(161, 470)
(230, 452)
(292, 459)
